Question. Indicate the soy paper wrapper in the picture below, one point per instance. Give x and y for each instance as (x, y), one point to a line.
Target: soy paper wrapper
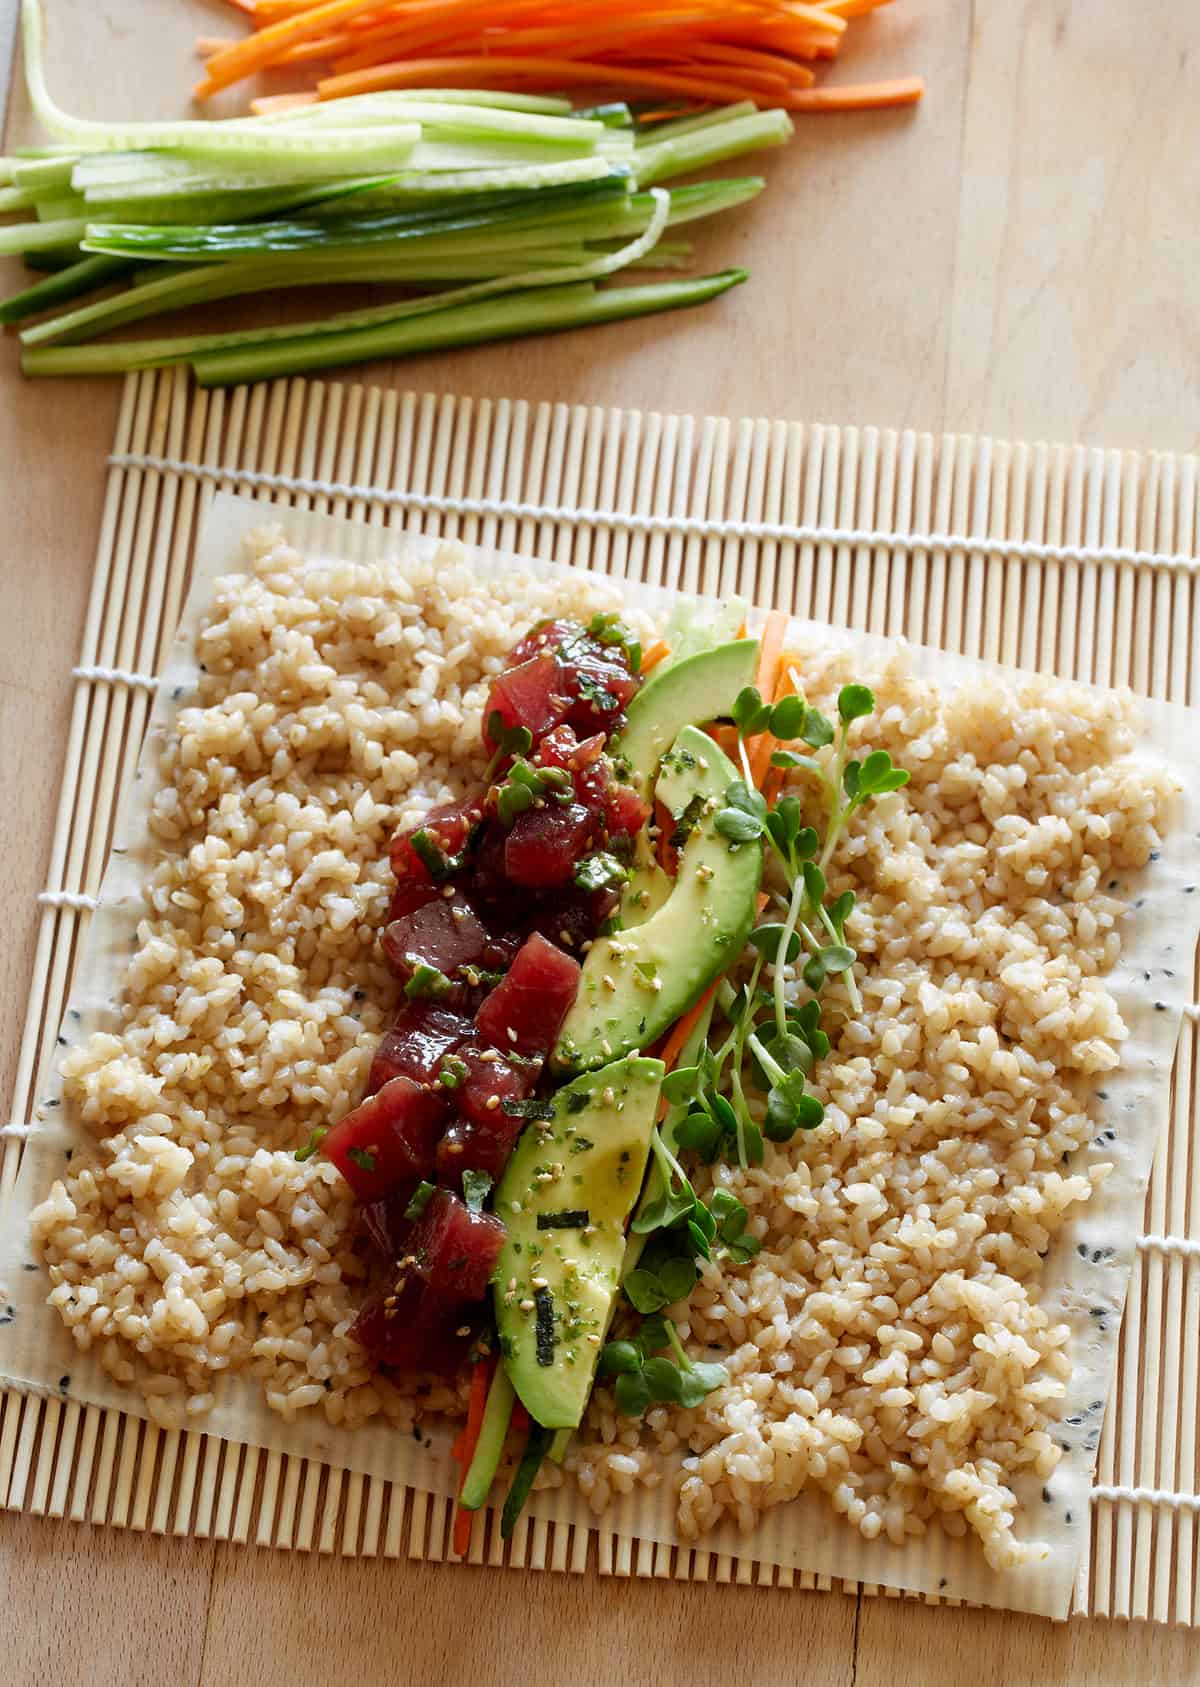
(1087, 1274)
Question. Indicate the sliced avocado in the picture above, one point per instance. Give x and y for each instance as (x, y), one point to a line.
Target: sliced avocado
(565, 1197)
(636, 983)
(698, 689)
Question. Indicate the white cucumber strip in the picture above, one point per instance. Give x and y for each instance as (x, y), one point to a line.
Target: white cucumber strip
(44, 174)
(659, 132)
(396, 101)
(440, 118)
(16, 199)
(668, 158)
(40, 237)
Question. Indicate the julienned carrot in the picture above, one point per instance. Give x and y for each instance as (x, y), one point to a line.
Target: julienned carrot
(860, 96)
(464, 1447)
(682, 1029)
(264, 48)
(700, 50)
(489, 71)
(657, 653)
(770, 649)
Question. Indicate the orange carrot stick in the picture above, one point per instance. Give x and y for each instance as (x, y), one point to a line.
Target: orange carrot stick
(484, 71)
(682, 1029)
(464, 1447)
(657, 653)
(263, 49)
(862, 96)
(769, 651)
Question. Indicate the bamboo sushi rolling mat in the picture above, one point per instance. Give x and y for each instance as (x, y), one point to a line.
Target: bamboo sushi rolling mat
(1079, 562)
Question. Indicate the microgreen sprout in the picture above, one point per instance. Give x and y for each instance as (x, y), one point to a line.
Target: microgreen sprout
(772, 1043)
(644, 1374)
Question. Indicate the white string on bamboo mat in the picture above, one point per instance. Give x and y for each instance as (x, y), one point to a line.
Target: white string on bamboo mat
(1025, 550)
(1169, 1245)
(116, 676)
(1147, 1496)
(75, 899)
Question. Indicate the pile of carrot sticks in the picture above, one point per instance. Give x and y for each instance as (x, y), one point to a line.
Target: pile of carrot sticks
(699, 51)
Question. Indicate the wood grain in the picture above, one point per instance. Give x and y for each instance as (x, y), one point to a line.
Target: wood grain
(1019, 256)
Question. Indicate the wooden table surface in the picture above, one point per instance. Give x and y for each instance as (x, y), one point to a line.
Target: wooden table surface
(1018, 257)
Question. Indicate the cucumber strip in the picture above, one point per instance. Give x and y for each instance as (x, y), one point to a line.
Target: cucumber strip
(398, 99)
(614, 114)
(560, 1445)
(445, 119)
(58, 257)
(44, 174)
(547, 311)
(226, 240)
(61, 207)
(213, 200)
(40, 237)
(16, 199)
(68, 283)
(526, 1472)
(659, 161)
(673, 130)
(489, 1449)
(423, 185)
(209, 282)
(688, 204)
(141, 354)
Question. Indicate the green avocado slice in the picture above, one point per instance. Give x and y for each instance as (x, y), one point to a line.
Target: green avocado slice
(701, 688)
(565, 1197)
(636, 983)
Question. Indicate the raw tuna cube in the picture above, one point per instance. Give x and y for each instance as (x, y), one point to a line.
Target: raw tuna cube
(492, 1080)
(447, 829)
(570, 919)
(546, 635)
(420, 1038)
(526, 1009)
(530, 695)
(624, 810)
(545, 844)
(477, 1148)
(454, 1249)
(407, 1328)
(584, 760)
(386, 1225)
(599, 685)
(388, 1141)
(446, 933)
